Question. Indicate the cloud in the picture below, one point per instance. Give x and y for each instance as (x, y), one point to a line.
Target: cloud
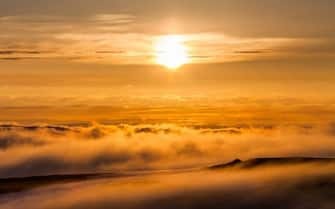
(12, 141)
(331, 129)
(47, 149)
(123, 38)
(23, 54)
(110, 52)
(55, 37)
(18, 127)
(19, 58)
(249, 52)
(8, 52)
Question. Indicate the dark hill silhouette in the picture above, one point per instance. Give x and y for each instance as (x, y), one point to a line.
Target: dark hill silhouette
(257, 162)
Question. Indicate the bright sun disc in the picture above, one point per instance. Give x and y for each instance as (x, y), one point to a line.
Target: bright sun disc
(171, 52)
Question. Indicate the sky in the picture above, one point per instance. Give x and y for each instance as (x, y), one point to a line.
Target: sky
(103, 53)
(122, 32)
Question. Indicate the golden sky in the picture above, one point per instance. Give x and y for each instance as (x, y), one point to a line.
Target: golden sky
(107, 52)
(124, 32)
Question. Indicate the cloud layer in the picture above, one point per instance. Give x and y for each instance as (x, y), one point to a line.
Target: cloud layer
(46, 149)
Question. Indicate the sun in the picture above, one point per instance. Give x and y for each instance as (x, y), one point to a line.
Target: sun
(171, 52)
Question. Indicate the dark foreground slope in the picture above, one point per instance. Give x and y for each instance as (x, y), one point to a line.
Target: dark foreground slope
(10, 185)
(263, 183)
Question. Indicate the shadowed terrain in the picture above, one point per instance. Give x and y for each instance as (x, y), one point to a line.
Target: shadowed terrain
(13, 185)
(260, 183)
(259, 162)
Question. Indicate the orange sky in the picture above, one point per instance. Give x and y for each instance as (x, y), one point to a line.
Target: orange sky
(104, 53)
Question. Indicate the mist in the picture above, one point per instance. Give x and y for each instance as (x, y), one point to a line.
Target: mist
(47, 149)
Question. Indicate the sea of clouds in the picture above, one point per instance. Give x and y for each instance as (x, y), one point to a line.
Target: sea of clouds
(49, 149)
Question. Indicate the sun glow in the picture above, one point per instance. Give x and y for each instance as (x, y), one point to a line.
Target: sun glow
(171, 52)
